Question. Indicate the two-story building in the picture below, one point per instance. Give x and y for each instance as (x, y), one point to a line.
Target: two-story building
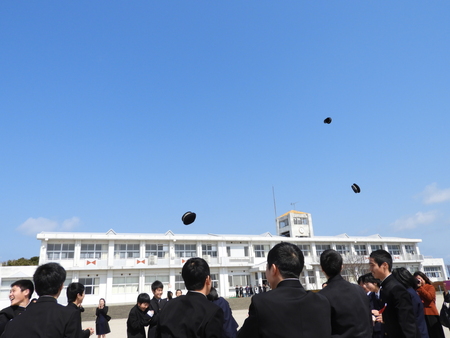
(119, 266)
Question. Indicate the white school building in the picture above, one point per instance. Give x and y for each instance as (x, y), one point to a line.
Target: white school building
(119, 266)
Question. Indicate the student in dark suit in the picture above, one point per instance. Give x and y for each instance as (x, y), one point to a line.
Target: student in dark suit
(351, 315)
(287, 310)
(156, 305)
(138, 318)
(192, 315)
(19, 295)
(75, 296)
(46, 318)
(398, 315)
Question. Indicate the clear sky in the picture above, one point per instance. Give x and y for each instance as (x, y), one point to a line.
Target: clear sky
(126, 114)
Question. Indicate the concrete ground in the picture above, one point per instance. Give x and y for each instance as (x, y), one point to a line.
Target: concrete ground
(119, 326)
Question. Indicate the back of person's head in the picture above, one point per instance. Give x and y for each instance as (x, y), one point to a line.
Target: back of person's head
(48, 279)
(331, 262)
(288, 258)
(213, 295)
(382, 256)
(143, 298)
(74, 289)
(25, 284)
(424, 276)
(404, 277)
(369, 278)
(194, 273)
(157, 285)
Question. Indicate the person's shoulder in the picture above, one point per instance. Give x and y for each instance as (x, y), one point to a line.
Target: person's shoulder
(7, 312)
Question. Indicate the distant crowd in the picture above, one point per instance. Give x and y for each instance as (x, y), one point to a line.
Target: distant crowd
(387, 303)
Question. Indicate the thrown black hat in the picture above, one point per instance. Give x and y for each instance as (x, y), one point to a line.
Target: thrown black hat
(327, 120)
(356, 188)
(188, 218)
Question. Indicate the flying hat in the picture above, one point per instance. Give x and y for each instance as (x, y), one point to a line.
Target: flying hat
(327, 120)
(356, 188)
(188, 218)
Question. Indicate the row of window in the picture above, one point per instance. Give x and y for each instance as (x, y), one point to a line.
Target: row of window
(124, 251)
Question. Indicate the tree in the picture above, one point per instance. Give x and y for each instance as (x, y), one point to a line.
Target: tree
(22, 261)
(354, 266)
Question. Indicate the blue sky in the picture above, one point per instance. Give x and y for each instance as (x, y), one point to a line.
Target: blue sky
(125, 115)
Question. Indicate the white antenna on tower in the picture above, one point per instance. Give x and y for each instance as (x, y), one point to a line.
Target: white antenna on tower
(294, 204)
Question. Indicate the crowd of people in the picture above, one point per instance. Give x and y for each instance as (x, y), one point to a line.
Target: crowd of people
(387, 303)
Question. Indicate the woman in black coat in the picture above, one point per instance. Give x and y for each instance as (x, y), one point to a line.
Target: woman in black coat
(101, 323)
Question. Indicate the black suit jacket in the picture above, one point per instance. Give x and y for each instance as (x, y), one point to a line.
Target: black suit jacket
(84, 333)
(8, 314)
(288, 311)
(398, 316)
(351, 316)
(157, 307)
(43, 319)
(136, 323)
(190, 316)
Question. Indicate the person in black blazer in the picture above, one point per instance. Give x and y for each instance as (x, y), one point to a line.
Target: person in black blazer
(287, 310)
(45, 317)
(192, 315)
(351, 316)
(138, 317)
(75, 296)
(156, 305)
(398, 314)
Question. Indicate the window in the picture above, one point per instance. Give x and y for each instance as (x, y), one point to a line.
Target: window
(260, 250)
(60, 251)
(300, 220)
(234, 280)
(122, 251)
(394, 249)
(360, 249)
(246, 251)
(185, 250)
(125, 284)
(209, 249)
(91, 285)
(375, 247)
(6, 286)
(179, 283)
(433, 271)
(410, 249)
(92, 251)
(228, 251)
(307, 277)
(215, 280)
(158, 250)
(149, 279)
(305, 249)
(284, 223)
(342, 249)
(321, 248)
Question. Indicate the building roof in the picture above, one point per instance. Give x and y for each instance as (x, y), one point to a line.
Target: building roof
(265, 237)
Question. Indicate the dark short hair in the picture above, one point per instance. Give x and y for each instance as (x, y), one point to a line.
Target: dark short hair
(48, 279)
(213, 295)
(157, 285)
(369, 278)
(194, 273)
(24, 284)
(288, 258)
(74, 289)
(143, 298)
(169, 294)
(331, 262)
(382, 256)
(424, 276)
(404, 277)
